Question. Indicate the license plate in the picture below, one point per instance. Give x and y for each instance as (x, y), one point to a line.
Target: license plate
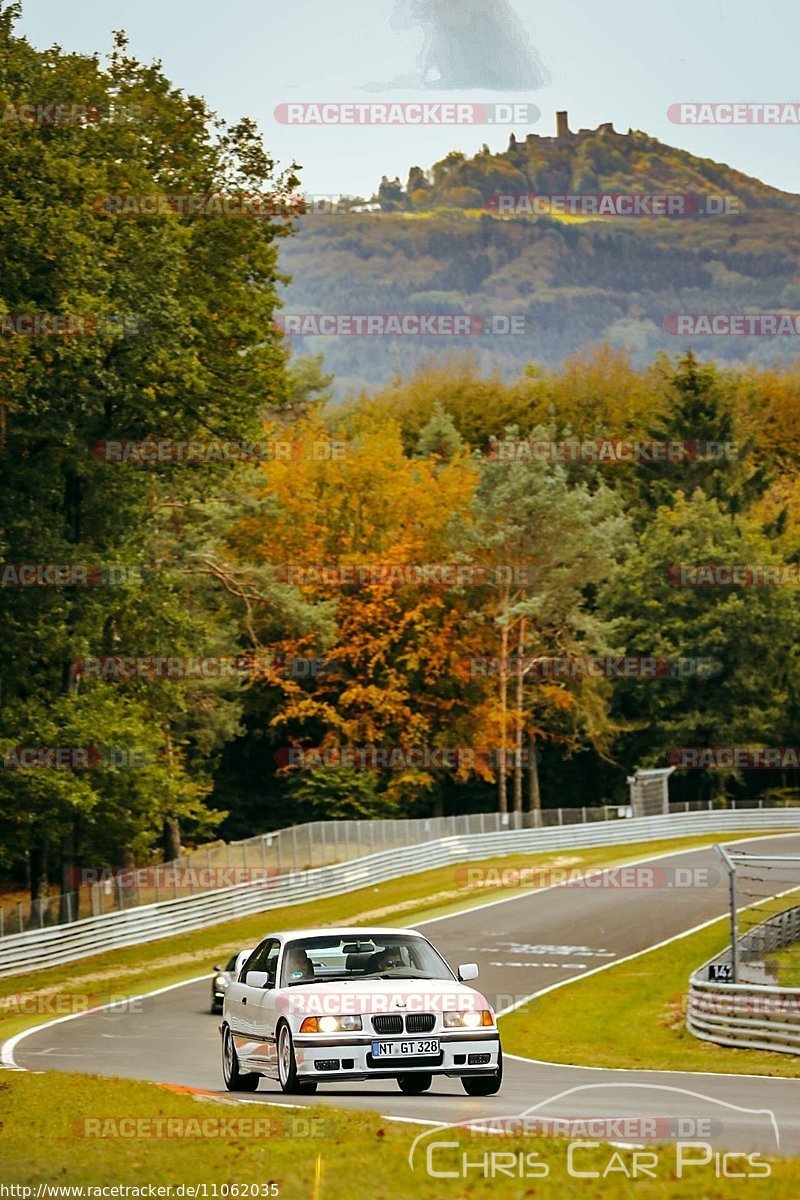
(405, 1049)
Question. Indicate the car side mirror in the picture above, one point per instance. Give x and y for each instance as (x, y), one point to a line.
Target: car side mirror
(217, 969)
(467, 971)
(256, 979)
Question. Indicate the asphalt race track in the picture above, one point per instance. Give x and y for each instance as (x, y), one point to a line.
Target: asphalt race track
(522, 945)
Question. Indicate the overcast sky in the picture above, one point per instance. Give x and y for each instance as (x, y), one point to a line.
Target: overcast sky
(622, 61)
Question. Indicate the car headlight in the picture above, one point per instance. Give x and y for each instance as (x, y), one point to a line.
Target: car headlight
(468, 1020)
(342, 1024)
(221, 982)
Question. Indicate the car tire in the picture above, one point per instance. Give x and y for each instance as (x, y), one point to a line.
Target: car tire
(484, 1085)
(287, 1065)
(235, 1080)
(414, 1085)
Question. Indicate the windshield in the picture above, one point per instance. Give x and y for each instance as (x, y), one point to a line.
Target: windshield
(373, 956)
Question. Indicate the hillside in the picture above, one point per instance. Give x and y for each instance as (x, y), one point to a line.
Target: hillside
(437, 248)
(589, 161)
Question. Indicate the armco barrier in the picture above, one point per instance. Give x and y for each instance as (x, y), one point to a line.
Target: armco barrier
(40, 948)
(749, 1015)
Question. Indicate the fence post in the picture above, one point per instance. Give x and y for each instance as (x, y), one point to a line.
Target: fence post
(734, 926)
(294, 848)
(560, 816)
(583, 810)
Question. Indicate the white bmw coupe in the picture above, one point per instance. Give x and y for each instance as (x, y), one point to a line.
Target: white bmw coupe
(334, 1005)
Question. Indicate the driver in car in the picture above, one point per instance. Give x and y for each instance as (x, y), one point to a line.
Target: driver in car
(298, 968)
(388, 959)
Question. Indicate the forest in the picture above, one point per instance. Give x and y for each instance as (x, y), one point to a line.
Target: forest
(241, 589)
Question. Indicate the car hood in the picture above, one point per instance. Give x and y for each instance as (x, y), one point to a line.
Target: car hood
(382, 996)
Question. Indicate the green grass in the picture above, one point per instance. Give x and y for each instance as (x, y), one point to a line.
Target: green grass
(633, 1015)
(359, 1154)
(787, 962)
(136, 969)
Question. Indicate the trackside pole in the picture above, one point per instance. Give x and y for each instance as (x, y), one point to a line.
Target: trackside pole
(734, 916)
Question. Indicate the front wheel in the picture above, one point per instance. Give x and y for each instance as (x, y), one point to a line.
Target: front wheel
(235, 1080)
(413, 1085)
(484, 1085)
(287, 1066)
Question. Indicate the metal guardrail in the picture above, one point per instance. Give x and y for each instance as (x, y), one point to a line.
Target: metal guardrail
(296, 848)
(749, 1015)
(40, 948)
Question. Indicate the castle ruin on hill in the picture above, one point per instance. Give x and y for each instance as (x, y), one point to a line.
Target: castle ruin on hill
(564, 135)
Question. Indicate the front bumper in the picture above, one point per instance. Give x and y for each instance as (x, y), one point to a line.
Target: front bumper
(321, 1056)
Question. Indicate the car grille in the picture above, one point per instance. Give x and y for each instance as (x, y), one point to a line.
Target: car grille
(420, 1022)
(414, 1023)
(387, 1024)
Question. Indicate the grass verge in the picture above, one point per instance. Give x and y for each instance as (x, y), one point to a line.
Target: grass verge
(787, 963)
(309, 1154)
